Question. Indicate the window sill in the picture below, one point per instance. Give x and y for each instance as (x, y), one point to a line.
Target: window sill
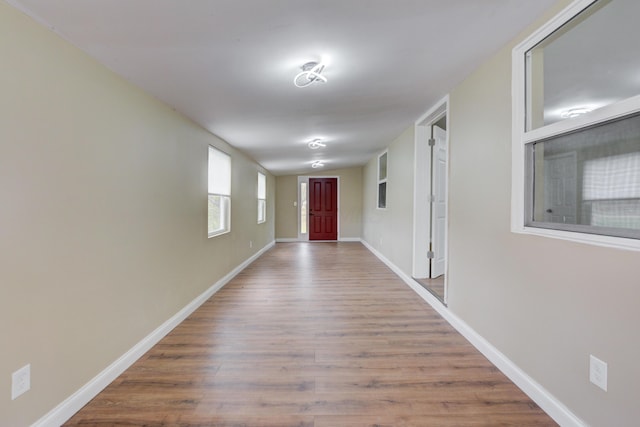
(218, 233)
(590, 239)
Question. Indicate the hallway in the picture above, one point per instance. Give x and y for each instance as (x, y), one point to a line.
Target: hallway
(321, 335)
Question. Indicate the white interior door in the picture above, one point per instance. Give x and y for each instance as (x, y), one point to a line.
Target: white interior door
(439, 202)
(560, 182)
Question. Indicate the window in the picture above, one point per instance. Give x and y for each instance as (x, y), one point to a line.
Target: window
(262, 198)
(219, 211)
(303, 208)
(576, 127)
(382, 181)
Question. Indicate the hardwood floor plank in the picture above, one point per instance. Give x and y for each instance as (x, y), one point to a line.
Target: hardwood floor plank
(520, 420)
(313, 335)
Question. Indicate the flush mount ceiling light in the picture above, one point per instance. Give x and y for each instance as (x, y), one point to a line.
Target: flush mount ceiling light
(316, 143)
(574, 112)
(311, 72)
(317, 164)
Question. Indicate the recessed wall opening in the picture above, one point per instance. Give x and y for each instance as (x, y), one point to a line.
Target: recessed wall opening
(431, 200)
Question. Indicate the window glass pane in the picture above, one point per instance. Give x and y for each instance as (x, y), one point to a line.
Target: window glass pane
(262, 210)
(382, 195)
(262, 186)
(303, 208)
(590, 62)
(216, 221)
(382, 167)
(219, 172)
(589, 178)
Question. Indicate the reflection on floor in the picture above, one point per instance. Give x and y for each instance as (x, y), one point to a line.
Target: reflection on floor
(435, 286)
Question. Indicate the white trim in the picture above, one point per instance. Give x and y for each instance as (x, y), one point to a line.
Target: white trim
(382, 181)
(438, 109)
(521, 136)
(556, 22)
(592, 239)
(302, 237)
(288, 240)
(421, 211)
(264, 219)
(422, 180)
(549, 403)
(350, 239)
(65, 410)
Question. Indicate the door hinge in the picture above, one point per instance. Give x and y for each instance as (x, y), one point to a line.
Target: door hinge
(432, 142)
(430, 255)
(432, 198)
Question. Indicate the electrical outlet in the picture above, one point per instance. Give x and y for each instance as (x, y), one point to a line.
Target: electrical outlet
(250, 243)
(598, 372)
(20, 381)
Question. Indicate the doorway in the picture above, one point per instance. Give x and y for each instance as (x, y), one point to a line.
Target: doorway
(431, 200)
(323, 209)
(318, 207)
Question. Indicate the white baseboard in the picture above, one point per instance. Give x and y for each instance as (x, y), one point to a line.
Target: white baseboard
(341, 239)
(65, 410)
(552, 406)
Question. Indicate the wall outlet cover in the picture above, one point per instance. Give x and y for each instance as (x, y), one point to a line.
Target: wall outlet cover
(598, 372)
(20, 381)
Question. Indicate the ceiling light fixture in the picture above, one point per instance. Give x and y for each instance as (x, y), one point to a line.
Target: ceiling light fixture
(311, 72)
(316, 143)
(574, 112)
(317, 164)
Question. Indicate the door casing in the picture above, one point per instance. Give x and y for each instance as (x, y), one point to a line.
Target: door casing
(323, 209)
(305, 178)
(421, 191)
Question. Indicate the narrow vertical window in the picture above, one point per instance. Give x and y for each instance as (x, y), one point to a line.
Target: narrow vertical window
(303, 208)
(382, 181)
(262, 198)
(219, 211)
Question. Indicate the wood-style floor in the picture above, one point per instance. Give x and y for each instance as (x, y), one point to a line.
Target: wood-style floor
(318, 335)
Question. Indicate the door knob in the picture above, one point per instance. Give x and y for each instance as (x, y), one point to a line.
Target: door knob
(549, 211)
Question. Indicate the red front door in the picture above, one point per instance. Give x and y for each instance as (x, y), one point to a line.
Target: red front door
(323, 208)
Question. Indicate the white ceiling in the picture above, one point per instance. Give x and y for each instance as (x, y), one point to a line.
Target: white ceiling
(229, 64)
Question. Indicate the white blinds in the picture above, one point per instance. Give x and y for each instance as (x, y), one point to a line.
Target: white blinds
(219, 172)
(614, 177)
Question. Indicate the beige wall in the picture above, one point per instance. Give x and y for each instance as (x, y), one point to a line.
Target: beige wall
(103, 219)
(350, 209)
(390, 230)
(547, 304)
(103, 233)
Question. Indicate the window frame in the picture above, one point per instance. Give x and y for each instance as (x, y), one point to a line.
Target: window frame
(381, 181)
(262, 201)
(303, 208)
(521, 137)
(226, 198)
